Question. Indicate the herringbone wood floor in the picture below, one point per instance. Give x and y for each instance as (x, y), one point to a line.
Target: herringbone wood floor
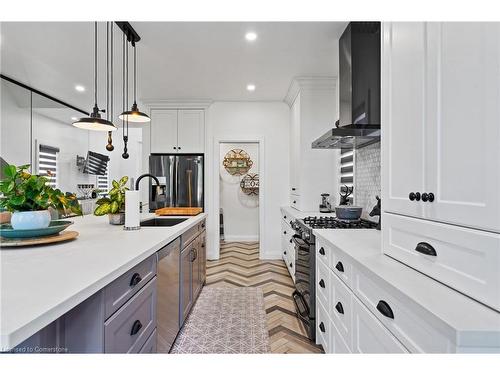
(239, 265)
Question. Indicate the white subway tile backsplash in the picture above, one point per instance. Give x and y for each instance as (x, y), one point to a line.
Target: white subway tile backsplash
(367, 178)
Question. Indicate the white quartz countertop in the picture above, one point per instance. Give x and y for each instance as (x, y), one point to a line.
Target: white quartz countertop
(469, 322)
(40, 284)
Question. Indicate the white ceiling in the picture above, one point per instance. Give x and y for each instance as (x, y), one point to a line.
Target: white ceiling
(176, 60)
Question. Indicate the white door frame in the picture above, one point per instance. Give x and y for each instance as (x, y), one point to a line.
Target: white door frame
(216, 189)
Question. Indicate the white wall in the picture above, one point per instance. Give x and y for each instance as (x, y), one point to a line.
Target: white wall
(241, 211)
(245, 121)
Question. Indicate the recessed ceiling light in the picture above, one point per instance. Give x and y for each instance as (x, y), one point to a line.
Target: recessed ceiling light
(79, 88)
(251, 87)
(250, 36)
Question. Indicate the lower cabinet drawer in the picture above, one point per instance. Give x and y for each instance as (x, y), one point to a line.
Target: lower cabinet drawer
(323, 328)
(149, 346)
(411, 329)
(468, 260)
(340, 308)
(127, 330)
(338, 344)
(119, 291)
(370, 336)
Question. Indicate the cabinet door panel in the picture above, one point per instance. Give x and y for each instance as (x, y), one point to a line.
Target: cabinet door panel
(463, 131)
(164, 131)
(403, 108)
(191, 131)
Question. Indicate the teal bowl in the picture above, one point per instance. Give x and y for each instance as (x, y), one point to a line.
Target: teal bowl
(54, 227)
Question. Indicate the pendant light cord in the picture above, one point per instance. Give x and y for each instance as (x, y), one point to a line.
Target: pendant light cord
(135, 74)
(95, 62)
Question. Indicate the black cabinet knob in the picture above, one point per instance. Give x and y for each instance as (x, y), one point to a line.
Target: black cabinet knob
(340, 267)
(322, 251)
(431, 197)
(322, 283)
(284, 232)
(291, 241)
(179, 147)
(175, 148)
(384, 308)
(284, 217)
(322, 327)
(414, 196)
(136, 279)
(136, 327)
(291, 265)
(425, 197)
(284, 252)
(339, 308)
(294, 202)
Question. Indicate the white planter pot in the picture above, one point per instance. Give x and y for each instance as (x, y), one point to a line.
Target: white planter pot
(30, 219)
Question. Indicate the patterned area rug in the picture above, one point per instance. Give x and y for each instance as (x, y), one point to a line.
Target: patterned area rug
(225, 320)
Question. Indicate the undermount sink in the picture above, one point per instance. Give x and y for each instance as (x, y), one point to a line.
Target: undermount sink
(157, 222)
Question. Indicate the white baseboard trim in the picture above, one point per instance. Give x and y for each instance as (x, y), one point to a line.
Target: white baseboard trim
(237, 238)
(270, 255)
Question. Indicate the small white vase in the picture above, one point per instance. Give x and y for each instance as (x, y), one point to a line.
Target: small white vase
(30, 219)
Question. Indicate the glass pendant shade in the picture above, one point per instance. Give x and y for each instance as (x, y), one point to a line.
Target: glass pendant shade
(94, 122)
(134, 115)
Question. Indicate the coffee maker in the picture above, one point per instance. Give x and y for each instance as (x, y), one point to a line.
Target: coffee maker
(325, 205)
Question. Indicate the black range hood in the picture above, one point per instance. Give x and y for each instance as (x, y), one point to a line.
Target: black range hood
(359, 89)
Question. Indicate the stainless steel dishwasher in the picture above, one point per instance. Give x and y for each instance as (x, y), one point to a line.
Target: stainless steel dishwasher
(167, 306)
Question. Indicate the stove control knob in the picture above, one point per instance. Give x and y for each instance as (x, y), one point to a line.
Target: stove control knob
(306, 236)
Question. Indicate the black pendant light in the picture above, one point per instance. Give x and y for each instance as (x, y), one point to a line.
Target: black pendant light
(125, 154)
(95, 122)
(134, 115)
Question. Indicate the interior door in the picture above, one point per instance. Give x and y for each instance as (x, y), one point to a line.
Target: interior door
(186, 282)
(463, 131)
(403, 120)
(164, 131)
(191, 131)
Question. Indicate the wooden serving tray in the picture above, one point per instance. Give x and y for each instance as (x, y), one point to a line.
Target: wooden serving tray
(17, 242)
(179, 211)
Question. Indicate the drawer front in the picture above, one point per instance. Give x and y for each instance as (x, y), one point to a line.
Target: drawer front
(295, 202)
(370, 336)
(129, 328)
(467, 260)
(323, 328)
(338, 344)
(188, 236)
(335, 260)
(412, 330)
(149, 346)
(124, 287)
(340, 308)
(323, 284)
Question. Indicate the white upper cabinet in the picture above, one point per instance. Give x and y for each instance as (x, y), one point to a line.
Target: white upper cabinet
(177, 131)
(191, 130)
(463, 132)
(163, 130)
(441, 122)
(403, 106)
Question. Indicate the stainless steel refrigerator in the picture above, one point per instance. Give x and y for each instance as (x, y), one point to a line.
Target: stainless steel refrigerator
(181, 181)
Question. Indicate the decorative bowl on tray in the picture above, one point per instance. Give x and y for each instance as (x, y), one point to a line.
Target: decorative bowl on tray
(54, 227)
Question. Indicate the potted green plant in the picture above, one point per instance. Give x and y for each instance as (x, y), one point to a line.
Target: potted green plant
(28, 197)
(114, 204)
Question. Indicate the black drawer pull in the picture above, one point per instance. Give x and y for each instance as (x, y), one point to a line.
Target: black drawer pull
(284, 252)
(291, 265)
(339, 308)
(284, 217)
(136, 279)
(322, 327)
(291, 241)
(322, 283)
(136, 327)
(294, 202)
(293, 189)
(340, 267)
(203, 225)
(425, 248)
(322, 251)
(385, 309)
(284, 232)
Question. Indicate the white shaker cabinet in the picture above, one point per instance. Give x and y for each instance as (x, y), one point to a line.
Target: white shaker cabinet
(313, 112)
(441, 122)
(177, 131)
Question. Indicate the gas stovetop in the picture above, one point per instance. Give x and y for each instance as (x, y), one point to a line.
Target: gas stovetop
(323, 222)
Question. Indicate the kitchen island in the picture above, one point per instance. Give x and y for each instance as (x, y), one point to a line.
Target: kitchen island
(40, 284)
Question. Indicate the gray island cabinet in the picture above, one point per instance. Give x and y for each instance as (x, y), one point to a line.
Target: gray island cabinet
(122, 316)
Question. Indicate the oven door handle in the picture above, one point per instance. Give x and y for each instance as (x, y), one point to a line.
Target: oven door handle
(299, 302)
(300, 243)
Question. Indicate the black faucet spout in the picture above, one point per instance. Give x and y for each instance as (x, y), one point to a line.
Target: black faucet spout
(145, 175)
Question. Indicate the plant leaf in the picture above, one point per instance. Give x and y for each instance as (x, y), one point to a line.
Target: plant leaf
(123, 180)
(102, 209)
